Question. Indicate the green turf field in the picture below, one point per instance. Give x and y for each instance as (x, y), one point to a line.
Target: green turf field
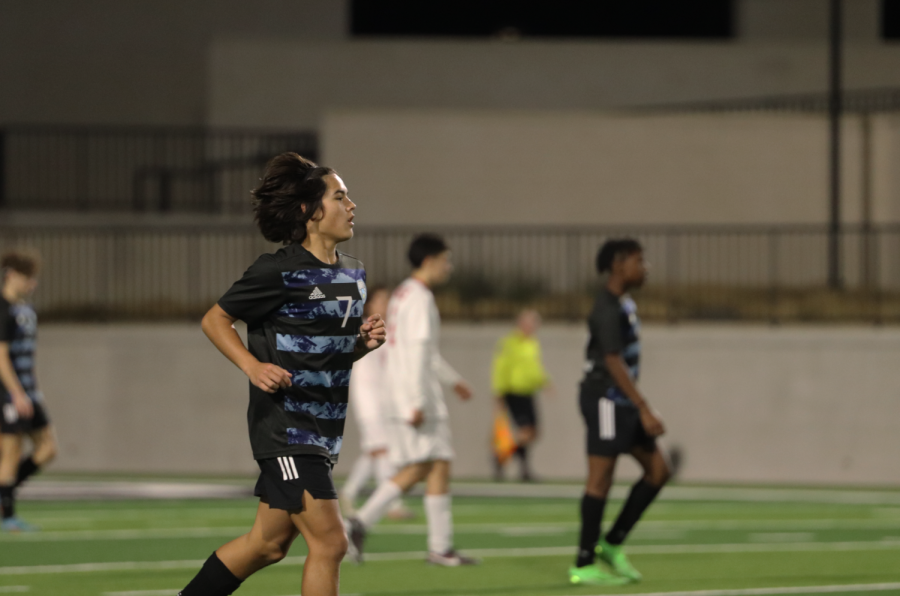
(143, 548)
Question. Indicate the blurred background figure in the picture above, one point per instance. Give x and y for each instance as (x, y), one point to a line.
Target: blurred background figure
(23, 413)
(518, 375)
(368, 387)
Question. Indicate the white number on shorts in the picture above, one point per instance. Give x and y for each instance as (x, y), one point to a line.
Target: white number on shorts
(349, 300)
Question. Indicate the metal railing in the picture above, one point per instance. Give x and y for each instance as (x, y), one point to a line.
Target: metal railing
(137, 168)
(750, 273)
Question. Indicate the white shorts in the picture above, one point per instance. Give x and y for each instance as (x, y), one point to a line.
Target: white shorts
(372, 434)
(429, 442)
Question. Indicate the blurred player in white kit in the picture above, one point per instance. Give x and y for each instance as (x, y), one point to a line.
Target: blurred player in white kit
(368, 392)
(418, 428)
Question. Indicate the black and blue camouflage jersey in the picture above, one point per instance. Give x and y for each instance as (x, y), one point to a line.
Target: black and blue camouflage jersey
(615, 328)
(304, 316)
(18, 329)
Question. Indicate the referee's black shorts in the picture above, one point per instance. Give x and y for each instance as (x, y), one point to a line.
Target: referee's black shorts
(521, 409)
(613, 423)
(283, 480)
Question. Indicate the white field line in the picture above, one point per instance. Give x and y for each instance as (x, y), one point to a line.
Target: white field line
(671, 549)
(11, 589)
(837, 588)
(648, 527)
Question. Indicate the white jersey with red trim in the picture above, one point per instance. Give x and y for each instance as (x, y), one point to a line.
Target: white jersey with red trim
(415, 366)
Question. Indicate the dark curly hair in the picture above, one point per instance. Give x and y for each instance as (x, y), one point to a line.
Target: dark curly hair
(613, 248)
(289, 183)
(26, 262)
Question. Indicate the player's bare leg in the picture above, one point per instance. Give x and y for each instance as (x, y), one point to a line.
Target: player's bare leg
(42, 453)
(267, 542)
(323, 530)
(10, 453)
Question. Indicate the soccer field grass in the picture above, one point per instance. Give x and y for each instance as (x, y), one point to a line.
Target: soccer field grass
(145, 548)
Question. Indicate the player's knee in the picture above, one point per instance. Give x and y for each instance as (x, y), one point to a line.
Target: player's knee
(331, 546)
(659, 475)
(46, 452)
(272, 551)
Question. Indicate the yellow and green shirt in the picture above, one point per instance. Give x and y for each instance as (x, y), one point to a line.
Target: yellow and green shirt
(517, 366)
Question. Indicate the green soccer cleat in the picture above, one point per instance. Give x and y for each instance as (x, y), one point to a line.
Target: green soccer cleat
(614, 556)
(591, 575)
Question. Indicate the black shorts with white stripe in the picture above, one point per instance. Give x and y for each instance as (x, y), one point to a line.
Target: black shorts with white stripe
(613, 423)
(283, 480)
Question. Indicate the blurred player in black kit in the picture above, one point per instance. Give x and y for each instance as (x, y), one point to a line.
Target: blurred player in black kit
(618, 418)
(23, 412)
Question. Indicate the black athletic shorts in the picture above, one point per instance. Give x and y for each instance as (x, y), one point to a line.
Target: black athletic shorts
(521, 409)
(613, 424)
(282, 480)
(13, 424)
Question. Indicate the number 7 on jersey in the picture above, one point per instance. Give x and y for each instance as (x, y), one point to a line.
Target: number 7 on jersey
(349, 300)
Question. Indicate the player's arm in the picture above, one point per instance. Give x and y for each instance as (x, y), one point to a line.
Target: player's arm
(447, 375)
(372, 334)
(218, 326)
(619, 372)
(12, 385)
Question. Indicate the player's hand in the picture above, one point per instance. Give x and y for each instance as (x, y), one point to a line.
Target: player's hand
(23, 405)
(269, 377)
(651, 422)
(418, 418)
(372, 332)
(463, 390)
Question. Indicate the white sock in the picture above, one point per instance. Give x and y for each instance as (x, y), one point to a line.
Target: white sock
(384, 469)
(440, 523)
(359, 475)
(374, 509)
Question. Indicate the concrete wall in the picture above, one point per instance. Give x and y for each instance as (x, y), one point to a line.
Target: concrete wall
(305, 80)
(501, 167)
(108, 62)
(763, 404)
(99, 61)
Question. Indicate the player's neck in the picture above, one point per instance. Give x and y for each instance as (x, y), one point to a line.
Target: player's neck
(324, 249)
(616, 285)
(421, 277)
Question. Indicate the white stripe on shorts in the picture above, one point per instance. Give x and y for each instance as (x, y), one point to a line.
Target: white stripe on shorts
(284, 475)
(293, 467)
(607, 414)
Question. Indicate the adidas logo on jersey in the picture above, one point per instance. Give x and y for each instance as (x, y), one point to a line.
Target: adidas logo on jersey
(317, 294)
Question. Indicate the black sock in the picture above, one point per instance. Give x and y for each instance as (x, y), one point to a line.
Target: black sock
(642, 494)
(214, 579)
(591, 518)
(27, 468)
(7, 501)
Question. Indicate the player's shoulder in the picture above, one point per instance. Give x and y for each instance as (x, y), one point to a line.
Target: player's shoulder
(349, 261)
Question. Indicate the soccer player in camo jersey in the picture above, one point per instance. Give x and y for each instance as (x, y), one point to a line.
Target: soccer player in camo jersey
(303, 306)
(618, 418)
(23, 412)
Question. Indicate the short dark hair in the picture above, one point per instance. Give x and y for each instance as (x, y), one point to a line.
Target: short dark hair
(28, 263)
(614, 247)
(290, 182)
(424, 246)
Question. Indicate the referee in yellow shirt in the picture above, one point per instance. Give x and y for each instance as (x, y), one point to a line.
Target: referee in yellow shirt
(518, 374)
